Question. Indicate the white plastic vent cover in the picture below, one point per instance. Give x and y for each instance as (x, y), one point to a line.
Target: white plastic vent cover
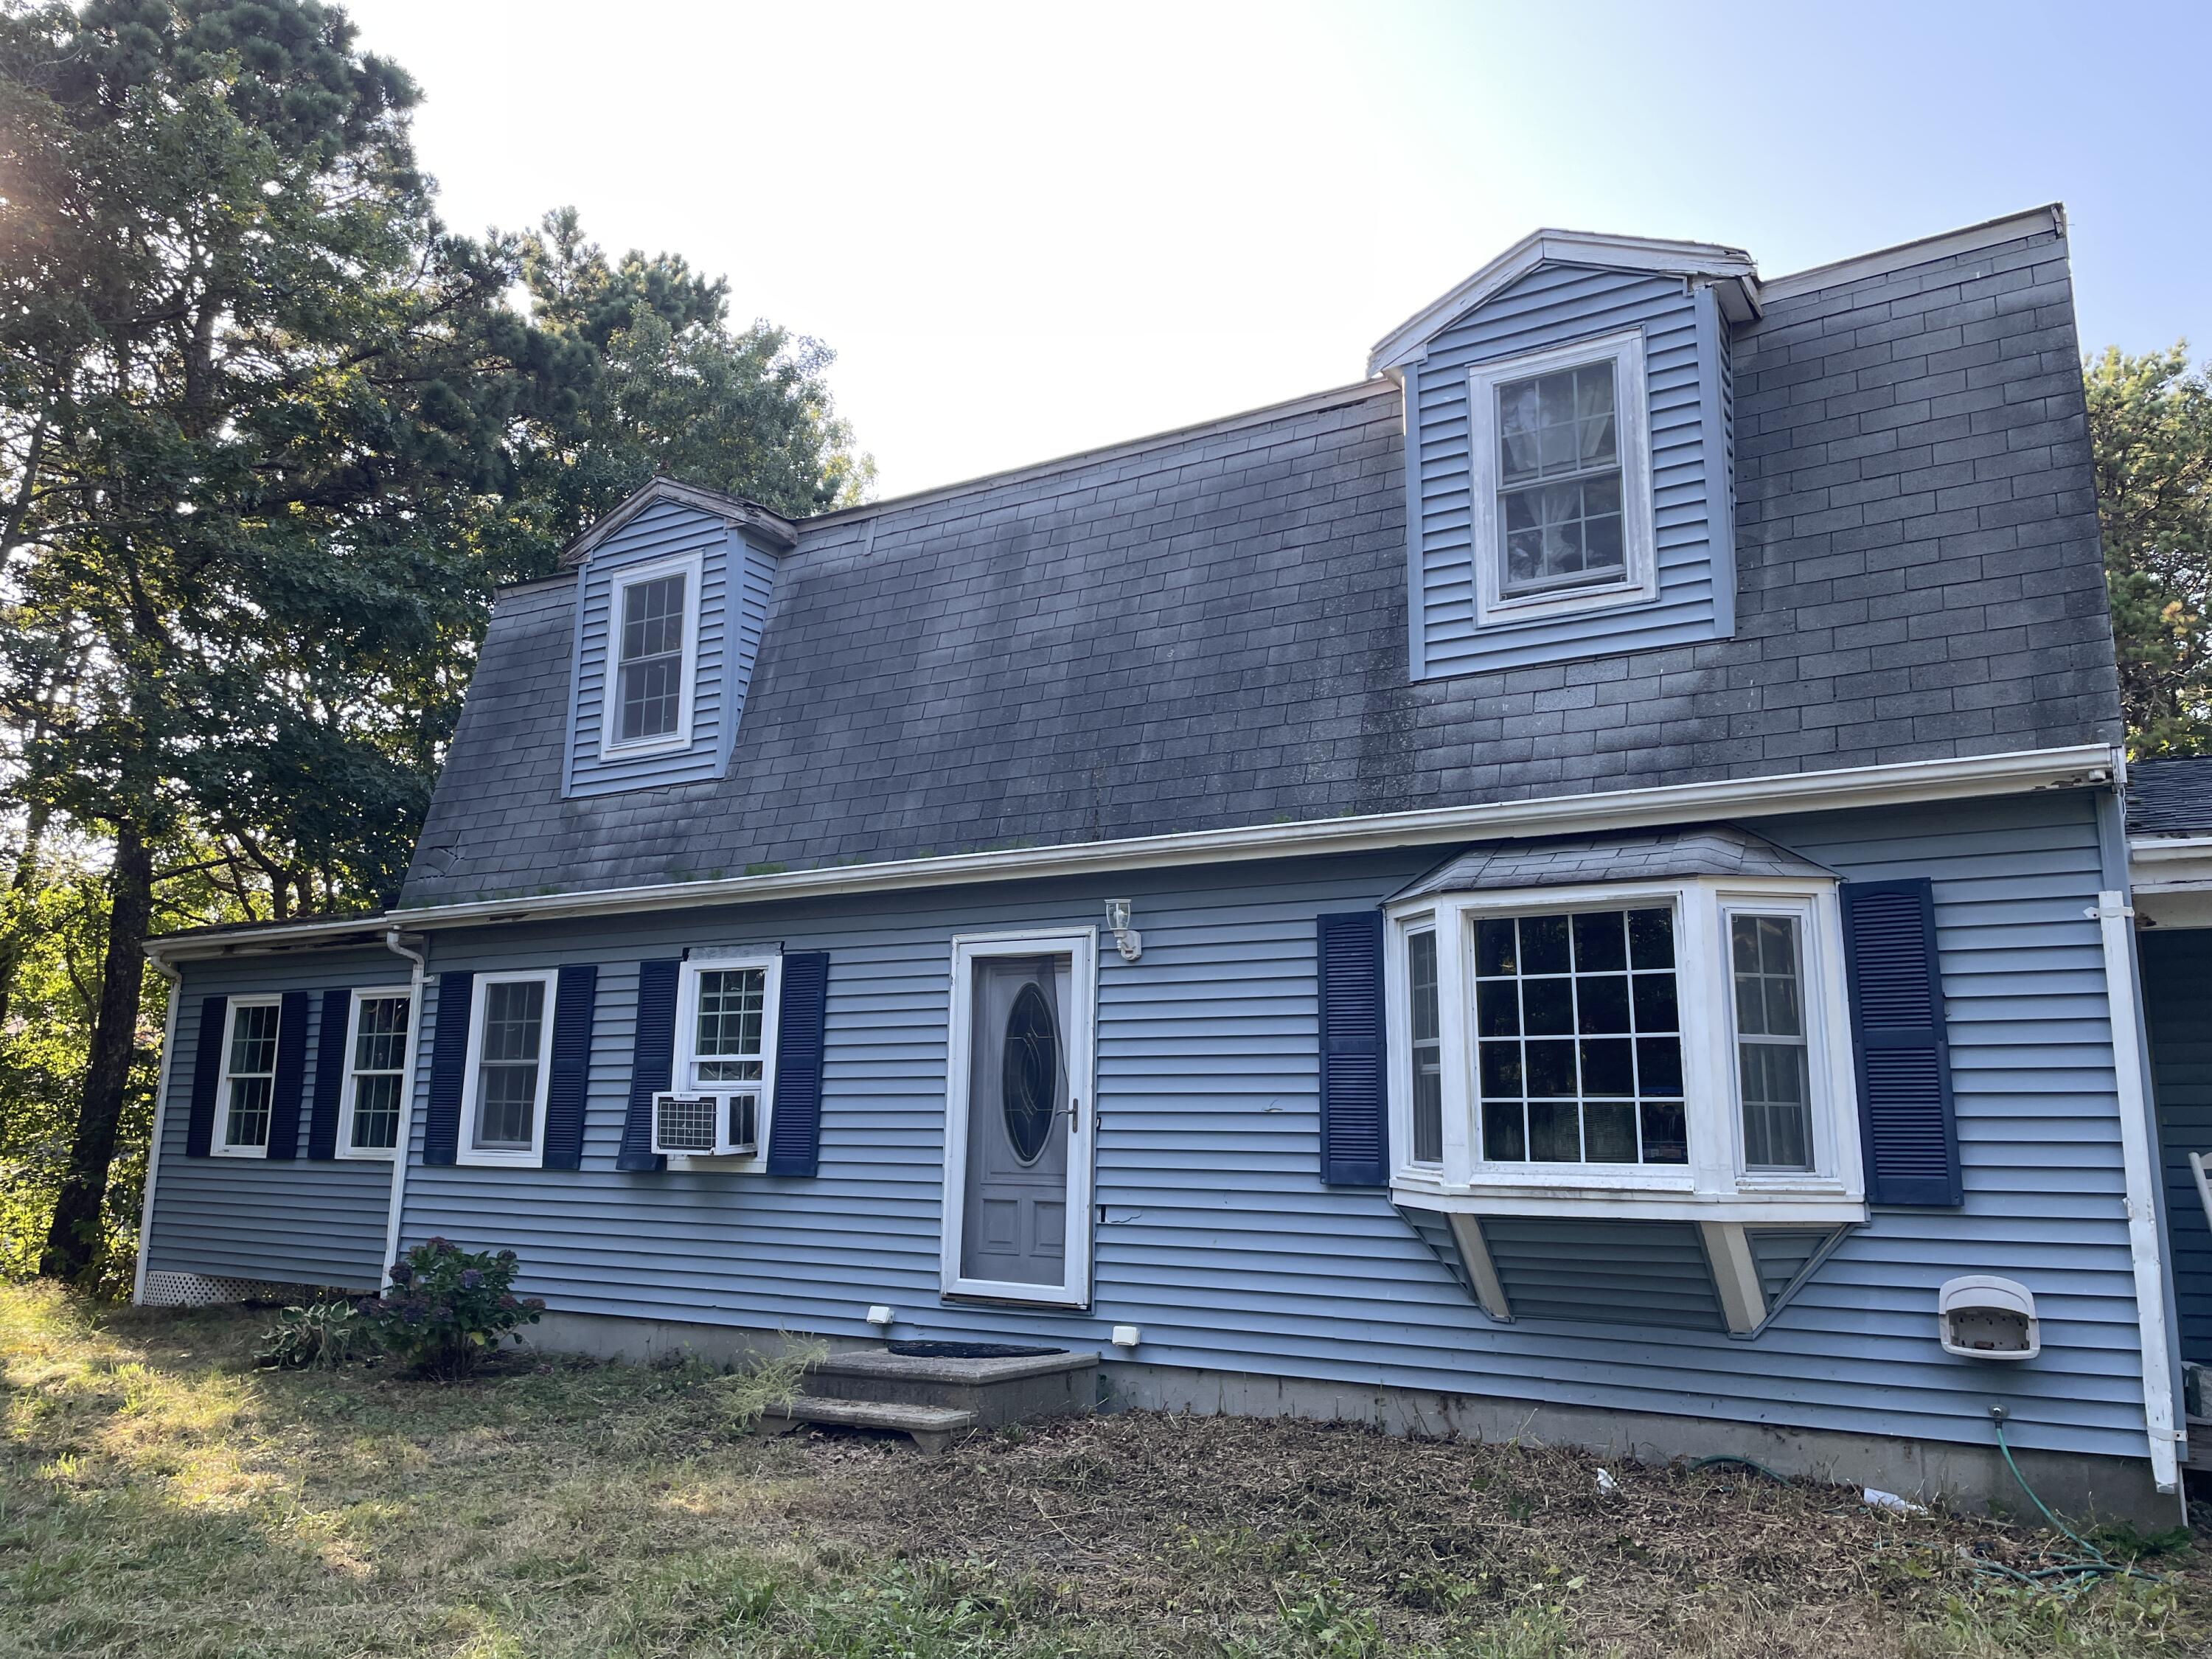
(1980, 1317)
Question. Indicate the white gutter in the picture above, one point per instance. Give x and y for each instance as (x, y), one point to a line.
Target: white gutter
(2115, 919)
(175, 981)
(420, 959)
(2015, 772)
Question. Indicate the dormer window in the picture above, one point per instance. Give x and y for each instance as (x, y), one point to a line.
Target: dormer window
(656, 643)
(1563, 481)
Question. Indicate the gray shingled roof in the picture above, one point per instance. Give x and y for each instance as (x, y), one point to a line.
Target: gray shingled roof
(1703, 849)
(1209, 630)
(2170, 797)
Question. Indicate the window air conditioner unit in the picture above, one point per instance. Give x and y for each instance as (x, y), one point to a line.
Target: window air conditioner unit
(707, 1125)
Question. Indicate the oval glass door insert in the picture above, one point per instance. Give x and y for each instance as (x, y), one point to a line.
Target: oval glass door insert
(1031, 1072)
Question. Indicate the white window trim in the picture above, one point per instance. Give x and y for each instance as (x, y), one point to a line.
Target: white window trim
(348, 1082)
(218, 1142)
(1713, 1186)
(692, 566)
(1081, 945)
(506, 1156)
(709, 960)
(1633, 418)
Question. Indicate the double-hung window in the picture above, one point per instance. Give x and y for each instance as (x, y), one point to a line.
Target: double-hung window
(725, 1075)
(1679, 1049)
(510, 1063)
(376, 1073)
(247, 1089)
(1563, 481)
(651, 652)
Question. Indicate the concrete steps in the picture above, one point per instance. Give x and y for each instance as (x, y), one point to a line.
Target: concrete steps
(932, 1427)
(934, 1396)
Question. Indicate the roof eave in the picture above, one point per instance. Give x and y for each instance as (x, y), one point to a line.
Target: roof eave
(1731, 269)
(771, 527)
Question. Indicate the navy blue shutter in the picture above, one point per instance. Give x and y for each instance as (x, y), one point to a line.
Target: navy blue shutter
(330, 1074)
(291, 1075)
(449, 1059)
(1354, 1141)
(572, 1066)
(207, 1071)
(794, 1132)
(1903, 1056)
(651, 1062)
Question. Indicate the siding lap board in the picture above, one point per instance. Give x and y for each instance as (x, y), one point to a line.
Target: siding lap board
(306, 1222)
(1215, 1234)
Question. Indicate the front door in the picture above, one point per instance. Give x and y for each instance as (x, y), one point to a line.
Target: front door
(1019, 1114)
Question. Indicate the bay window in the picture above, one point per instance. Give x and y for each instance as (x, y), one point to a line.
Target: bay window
(1677, 1048)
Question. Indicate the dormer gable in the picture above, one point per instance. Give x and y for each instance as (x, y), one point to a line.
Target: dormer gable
(673, 591)
(1569, 473)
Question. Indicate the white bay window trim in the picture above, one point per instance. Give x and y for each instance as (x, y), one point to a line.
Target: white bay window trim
(1714, 1184)
(1638, 583)
(351, 1076)
(220, 1144)
(499, 1154)
(612, 744)
(683, 1075)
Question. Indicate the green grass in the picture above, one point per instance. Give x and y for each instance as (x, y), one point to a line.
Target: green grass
(160, 1497)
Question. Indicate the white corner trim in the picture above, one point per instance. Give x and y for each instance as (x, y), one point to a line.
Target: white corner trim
(2022, 771)
(1944, 244)
(1408, 342)
(419, 961)
(175, 981)
(2115, 922)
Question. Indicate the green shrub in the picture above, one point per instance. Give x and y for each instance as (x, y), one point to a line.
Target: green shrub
(322, 1336)
(446, 1308)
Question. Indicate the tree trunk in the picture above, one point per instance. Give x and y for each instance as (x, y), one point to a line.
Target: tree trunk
(73, 1241)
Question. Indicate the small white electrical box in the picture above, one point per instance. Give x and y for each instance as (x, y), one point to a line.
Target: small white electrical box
(1980, 1316)
(880, 1316)
(1126, 1336)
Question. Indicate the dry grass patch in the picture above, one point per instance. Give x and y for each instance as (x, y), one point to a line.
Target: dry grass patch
(158, 1495)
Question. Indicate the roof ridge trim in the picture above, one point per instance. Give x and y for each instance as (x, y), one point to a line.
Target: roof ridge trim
(2008, 228)
(1305, 404)
(2013, 772)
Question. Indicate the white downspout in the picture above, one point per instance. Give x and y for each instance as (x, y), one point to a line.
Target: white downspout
(175, 981)
(2115, 918)
(420, 960)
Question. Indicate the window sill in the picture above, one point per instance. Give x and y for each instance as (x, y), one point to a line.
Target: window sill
(260, 1154)
(1502, 613)
(615, 752)
(466, 1158)
(365, 1155)
(718, 1162)
(1810, 1205)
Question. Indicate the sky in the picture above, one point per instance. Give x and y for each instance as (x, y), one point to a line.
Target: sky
(1030, 229)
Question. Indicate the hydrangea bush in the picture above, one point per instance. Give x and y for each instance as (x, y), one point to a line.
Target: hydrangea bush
(447, 1307)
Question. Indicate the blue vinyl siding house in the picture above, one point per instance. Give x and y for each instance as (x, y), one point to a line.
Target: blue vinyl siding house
(1578, 885)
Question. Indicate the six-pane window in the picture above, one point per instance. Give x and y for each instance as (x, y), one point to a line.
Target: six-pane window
(1771, 1056)
(508, 1064)
(1578, 1050)
(1559, 480)
(252, 1074)
(378, 1066)
(650, 682)
(728, 1040)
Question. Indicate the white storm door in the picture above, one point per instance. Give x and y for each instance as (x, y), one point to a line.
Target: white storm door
(1018, 1117)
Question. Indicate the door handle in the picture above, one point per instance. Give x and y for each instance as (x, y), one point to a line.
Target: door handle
(1075, 1114)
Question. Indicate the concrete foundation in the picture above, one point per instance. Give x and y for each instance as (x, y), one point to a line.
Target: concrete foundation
(1968, 1478)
